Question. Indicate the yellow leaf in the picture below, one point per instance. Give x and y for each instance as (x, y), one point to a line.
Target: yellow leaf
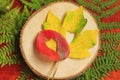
(52, 22)
(79, 54)
(79, 47)
(74, 20)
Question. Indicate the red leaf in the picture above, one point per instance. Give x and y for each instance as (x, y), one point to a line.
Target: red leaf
(62, 46)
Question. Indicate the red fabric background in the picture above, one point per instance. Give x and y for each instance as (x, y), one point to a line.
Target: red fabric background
(12, 72)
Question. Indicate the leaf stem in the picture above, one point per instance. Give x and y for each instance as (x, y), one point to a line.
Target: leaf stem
(53, 70)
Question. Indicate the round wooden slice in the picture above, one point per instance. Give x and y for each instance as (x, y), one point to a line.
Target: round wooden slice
(39, 64)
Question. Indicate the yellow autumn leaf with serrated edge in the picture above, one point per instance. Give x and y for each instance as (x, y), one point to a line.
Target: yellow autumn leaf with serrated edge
(79, 47)
(53, 23)
(73, 22)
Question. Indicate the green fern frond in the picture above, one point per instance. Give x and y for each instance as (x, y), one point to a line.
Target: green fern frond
(14, 59)
(102, 70)
(22, 18)
(33, 4)
(5, 5)
(89, 6)
(10, 14)
(7, 49)
(7, 21)
(107, 4)
(96, 73)
(96, 1)
(45, 2)
(26, 73)
(9, 60)
(109, 12)
(107, 58)
(36, 4)
(110, 36)
(109, 26)
(6, 38)
(97, 18)
(11, 24)
(8, 55)
(109, 46)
